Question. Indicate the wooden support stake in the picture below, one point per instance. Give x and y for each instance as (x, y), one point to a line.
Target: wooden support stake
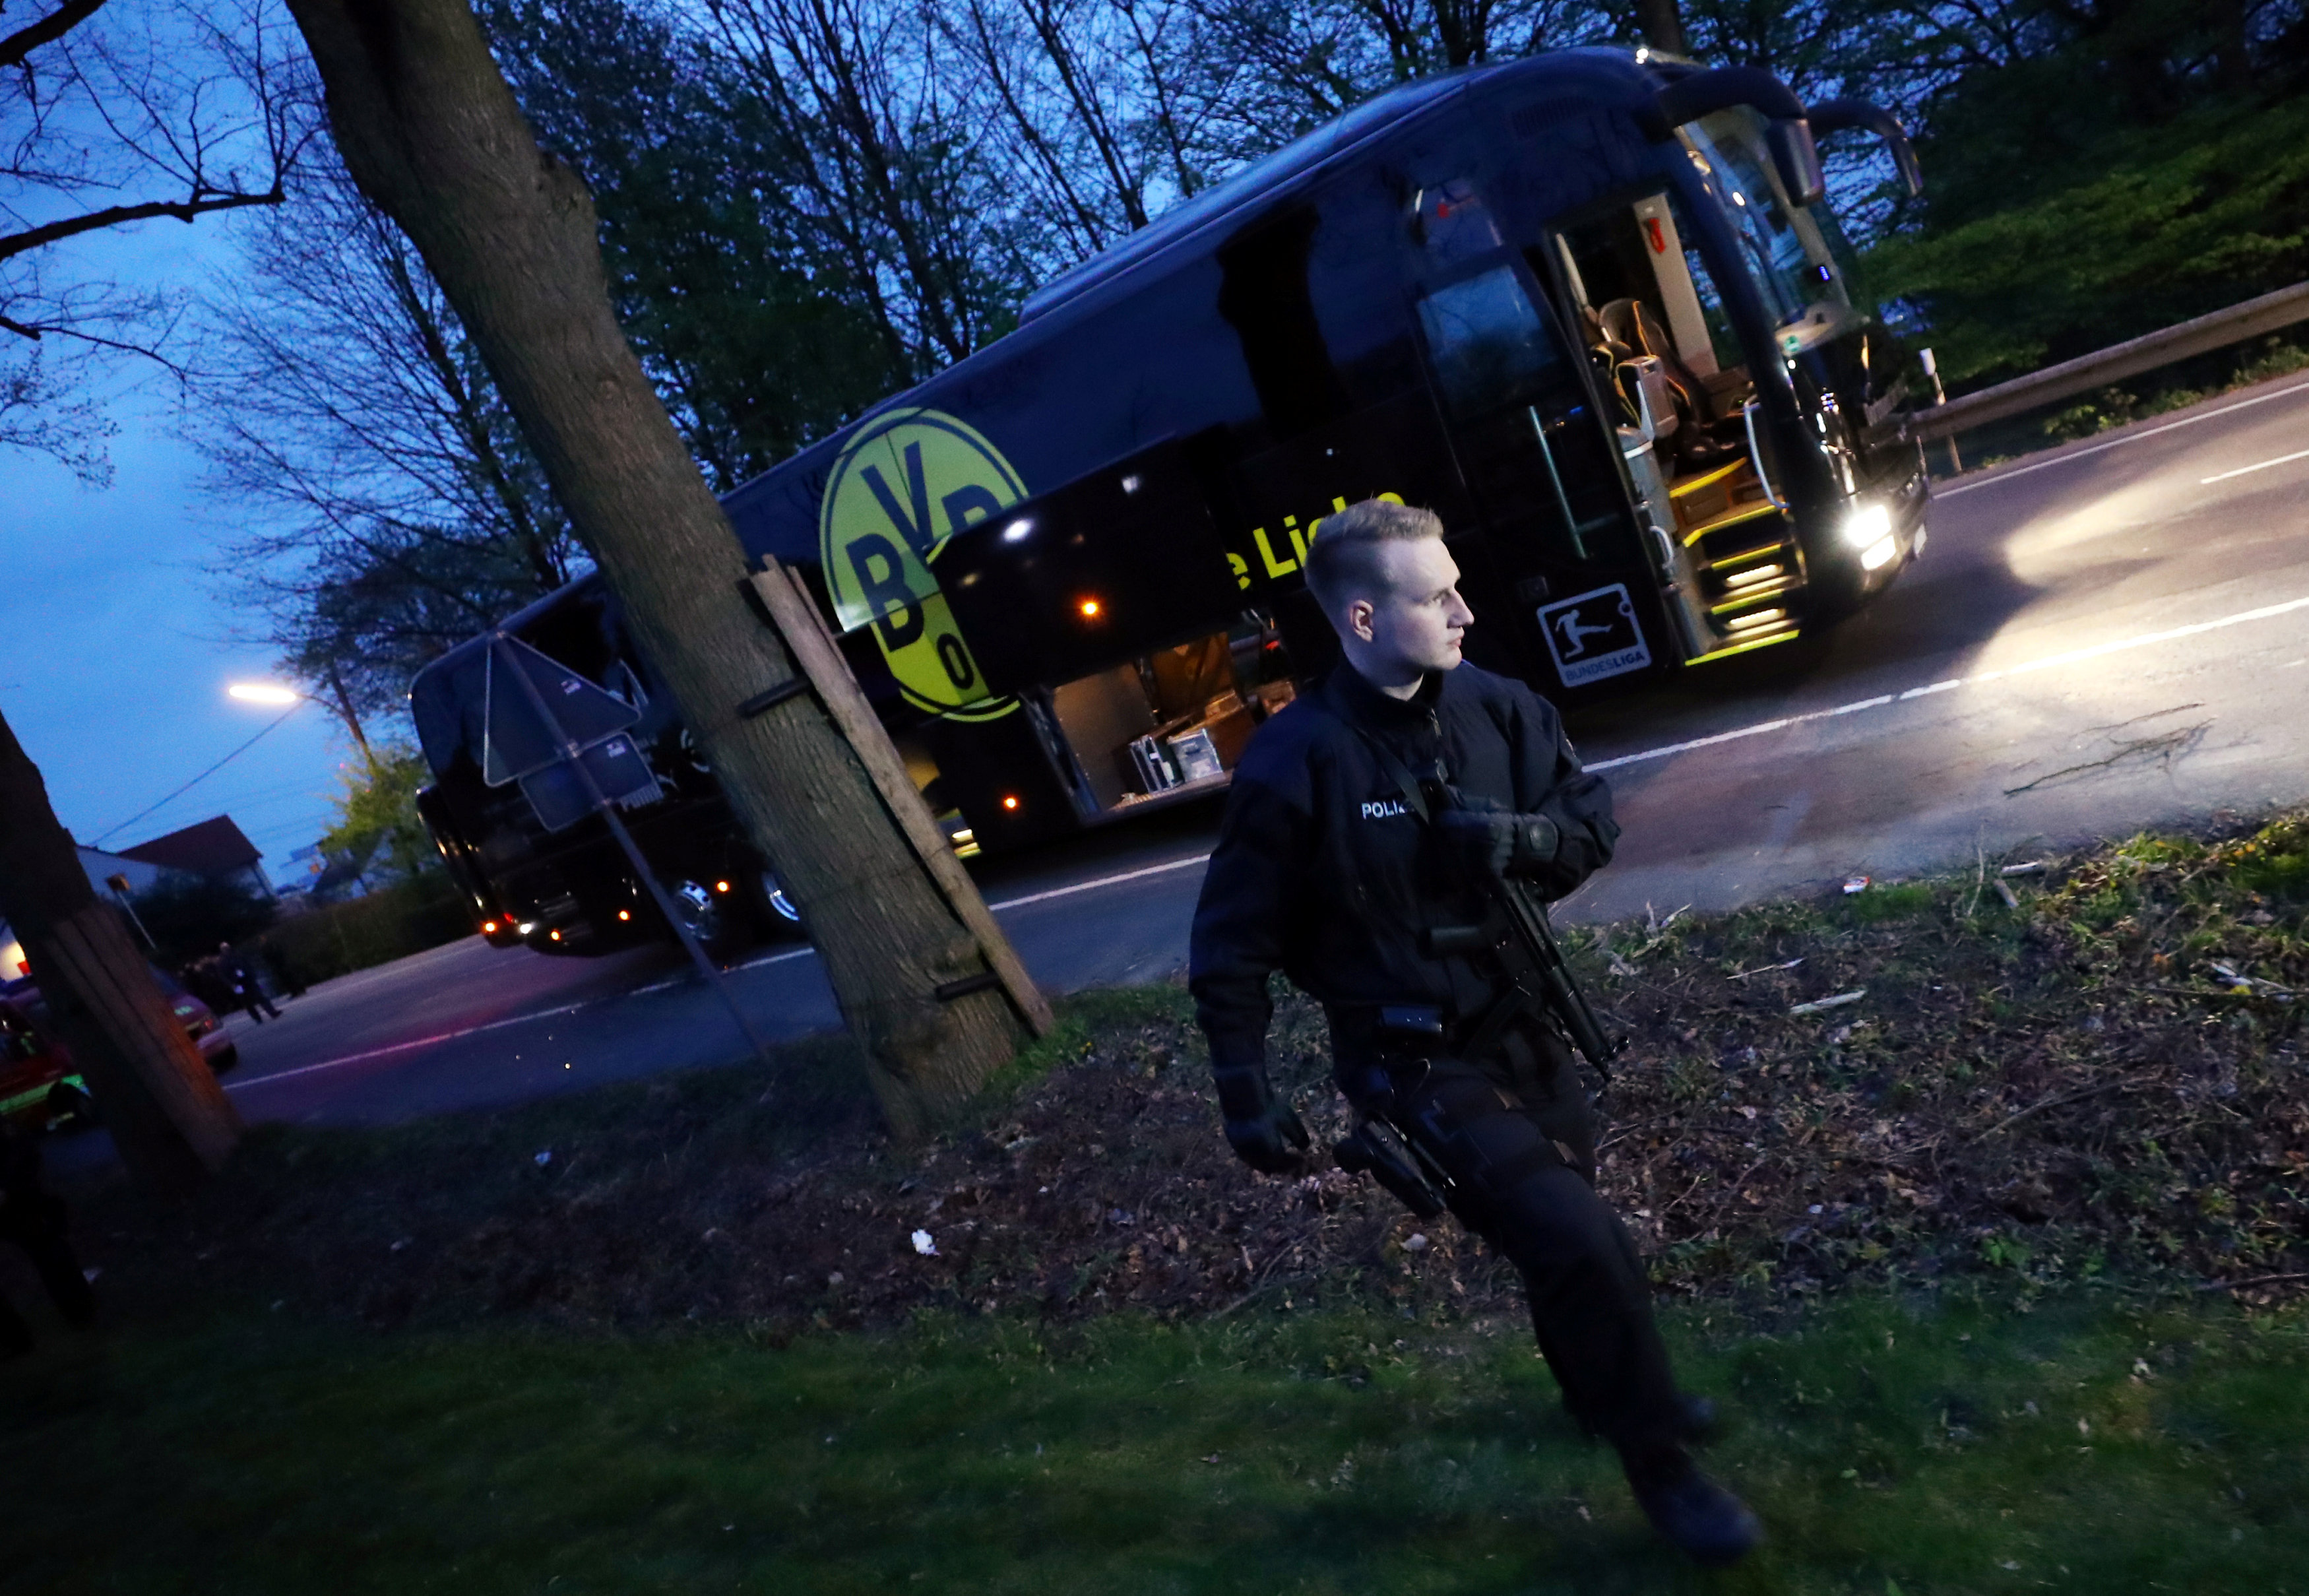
(796, 616)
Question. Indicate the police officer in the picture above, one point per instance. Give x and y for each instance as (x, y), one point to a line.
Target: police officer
(1326, 870)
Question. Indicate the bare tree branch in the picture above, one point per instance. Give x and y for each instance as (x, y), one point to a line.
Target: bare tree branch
(58, 22)
(184, 210)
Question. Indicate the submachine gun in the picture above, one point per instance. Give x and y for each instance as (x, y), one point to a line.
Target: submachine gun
(1514, 935)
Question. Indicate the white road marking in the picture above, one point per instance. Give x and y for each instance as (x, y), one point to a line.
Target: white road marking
(2114, 443)
(756, 964)
(2050, 662)
(2248, 470)
(357, 1058)
(1128, 875)
(471, 1030)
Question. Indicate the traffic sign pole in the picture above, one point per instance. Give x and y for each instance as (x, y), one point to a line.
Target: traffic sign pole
(571, 752)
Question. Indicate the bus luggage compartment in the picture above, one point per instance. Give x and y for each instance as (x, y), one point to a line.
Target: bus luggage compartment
(1112, 606)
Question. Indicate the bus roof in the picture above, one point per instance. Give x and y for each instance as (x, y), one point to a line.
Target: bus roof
(1602, 71)
(1214, 204)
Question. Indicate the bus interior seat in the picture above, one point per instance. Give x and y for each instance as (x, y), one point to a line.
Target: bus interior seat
(1699, 441)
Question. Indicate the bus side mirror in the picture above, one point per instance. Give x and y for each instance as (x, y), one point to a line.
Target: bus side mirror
(1797, 158)
(1835, 116)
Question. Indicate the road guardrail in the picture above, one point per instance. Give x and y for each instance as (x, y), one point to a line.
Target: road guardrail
(2235, 324)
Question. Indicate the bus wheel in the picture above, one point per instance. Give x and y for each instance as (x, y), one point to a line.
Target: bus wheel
(714, 918)
(776, 918)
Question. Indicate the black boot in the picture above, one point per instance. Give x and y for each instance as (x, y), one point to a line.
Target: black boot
(1701, 1519)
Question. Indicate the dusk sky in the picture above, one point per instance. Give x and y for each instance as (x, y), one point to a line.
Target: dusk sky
(120, 640)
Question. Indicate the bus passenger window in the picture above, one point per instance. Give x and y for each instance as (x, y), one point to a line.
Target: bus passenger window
(1451, 223)
(1264, 295)
(1491, 348)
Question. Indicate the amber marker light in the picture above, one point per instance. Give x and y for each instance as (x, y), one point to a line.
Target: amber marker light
(720, 886)
(1010, 801)
(1090, 609)
(489, 928)
(625, 914)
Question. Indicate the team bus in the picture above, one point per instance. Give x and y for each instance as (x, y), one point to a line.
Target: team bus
(1592, 306)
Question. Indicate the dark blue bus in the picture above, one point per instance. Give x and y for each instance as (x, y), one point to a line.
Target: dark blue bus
(1592, 306)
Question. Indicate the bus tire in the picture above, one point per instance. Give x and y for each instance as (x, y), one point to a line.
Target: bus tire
(775, 919)
(718, 920)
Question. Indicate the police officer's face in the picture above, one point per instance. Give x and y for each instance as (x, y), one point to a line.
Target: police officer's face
(1411, 620)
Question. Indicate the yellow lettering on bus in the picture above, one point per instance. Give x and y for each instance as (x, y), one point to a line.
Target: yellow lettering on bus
(1301, 538)
(1274, 567)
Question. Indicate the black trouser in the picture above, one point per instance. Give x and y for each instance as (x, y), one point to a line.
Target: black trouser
(1517, 1136)
(254, 1000)
(36, 1222)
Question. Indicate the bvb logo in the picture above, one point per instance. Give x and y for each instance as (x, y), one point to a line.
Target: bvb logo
(909, 481)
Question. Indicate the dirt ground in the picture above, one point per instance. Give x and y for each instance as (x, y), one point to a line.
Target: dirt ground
(2103, 1079)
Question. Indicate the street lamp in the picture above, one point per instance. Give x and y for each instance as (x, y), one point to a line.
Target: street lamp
(273, 692)
(263, 692)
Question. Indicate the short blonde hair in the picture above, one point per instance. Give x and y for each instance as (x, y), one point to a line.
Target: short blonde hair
(1342, 558)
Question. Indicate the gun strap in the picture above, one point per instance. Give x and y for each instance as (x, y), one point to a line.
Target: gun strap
(1513, 1004)
(1414, 795)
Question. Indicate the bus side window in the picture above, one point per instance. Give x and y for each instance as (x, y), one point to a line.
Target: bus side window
(1490, 346)
(1450, 224)
(1263, 296)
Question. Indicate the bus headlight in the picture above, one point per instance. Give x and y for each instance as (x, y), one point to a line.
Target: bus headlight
(1866, 526)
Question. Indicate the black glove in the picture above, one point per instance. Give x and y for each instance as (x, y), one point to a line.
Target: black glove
(1265, 1133)
(1492, 842)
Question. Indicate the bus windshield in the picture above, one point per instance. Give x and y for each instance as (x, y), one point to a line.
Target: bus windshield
(1783, 247)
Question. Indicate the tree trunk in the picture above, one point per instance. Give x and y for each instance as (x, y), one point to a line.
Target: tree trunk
(172, 1122)
(431, 133)
(1663, 26)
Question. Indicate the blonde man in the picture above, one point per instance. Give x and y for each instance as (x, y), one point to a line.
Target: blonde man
(1331, 865)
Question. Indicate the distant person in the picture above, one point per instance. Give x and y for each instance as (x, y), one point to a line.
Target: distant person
(287, 975)
(201, 979)
(247, 993)
(36, 1220)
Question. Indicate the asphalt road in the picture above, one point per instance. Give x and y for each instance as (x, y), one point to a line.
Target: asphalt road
(2110, 636)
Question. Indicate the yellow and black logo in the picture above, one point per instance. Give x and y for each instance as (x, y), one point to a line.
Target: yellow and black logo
(909, 481)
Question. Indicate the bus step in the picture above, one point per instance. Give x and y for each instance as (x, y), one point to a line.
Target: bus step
(1768, 621)
(1783, 583)
(1694, 485)
(1746, 645)
(1738, 514)
(1781, 553)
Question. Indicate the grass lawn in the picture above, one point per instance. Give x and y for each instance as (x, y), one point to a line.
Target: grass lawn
(1981, 1206)
(2095, 1442)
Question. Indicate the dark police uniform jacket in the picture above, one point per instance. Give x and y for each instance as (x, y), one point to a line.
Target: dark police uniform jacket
(1323, 871)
